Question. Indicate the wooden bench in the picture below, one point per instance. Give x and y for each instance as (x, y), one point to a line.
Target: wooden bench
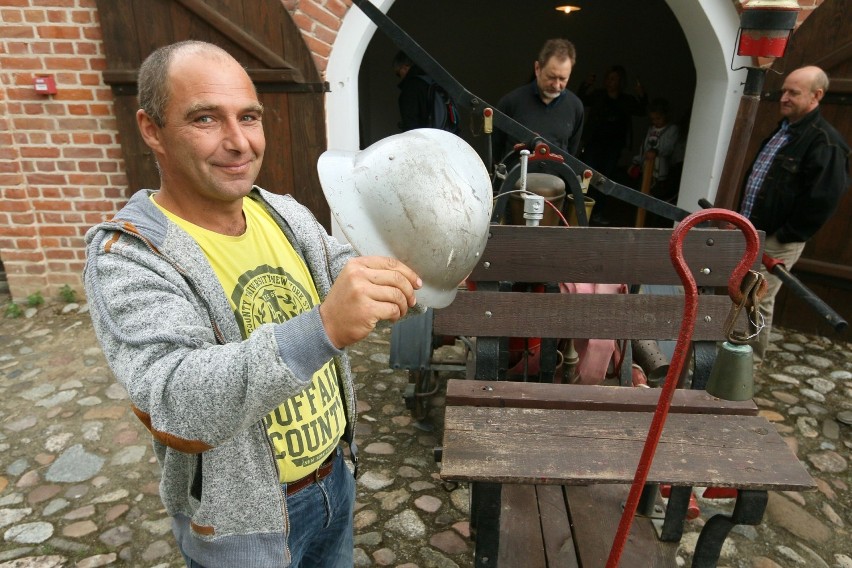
(550, 465)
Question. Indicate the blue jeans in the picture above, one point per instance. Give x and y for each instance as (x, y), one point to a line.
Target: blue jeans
(320, 522)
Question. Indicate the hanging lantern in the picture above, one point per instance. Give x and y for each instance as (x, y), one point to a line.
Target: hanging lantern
(766, 26)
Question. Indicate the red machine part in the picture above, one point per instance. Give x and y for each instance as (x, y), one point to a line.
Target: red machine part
(681, 351)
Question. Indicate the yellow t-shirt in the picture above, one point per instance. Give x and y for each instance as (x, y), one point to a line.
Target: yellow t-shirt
(267, 282)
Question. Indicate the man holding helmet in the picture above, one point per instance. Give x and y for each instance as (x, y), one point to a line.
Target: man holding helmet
(224, 310)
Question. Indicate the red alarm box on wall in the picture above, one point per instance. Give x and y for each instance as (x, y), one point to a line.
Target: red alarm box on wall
(45, 85)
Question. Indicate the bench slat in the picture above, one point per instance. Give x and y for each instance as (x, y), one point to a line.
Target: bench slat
(521, 543)
(586, 397)
(603, 316)
(595, 512)
(605, 254)
(522, 445)
(555, 526)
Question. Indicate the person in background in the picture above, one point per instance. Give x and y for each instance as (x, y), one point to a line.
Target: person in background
(796, 181)
(608, 130)
(609, 115)
(225, 311)
(545, 105)
(661, 146)
(414, 104)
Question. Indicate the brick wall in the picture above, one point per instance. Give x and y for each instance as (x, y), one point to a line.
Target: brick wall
(61, 169)
(60, 160)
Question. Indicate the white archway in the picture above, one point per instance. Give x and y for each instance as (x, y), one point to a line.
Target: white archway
(710, 28)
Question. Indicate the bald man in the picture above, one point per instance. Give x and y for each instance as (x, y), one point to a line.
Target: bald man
(225, 311)
(796, 181)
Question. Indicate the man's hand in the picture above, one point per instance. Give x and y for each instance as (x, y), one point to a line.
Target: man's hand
(369, 289)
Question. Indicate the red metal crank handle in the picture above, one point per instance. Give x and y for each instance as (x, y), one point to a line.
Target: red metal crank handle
(681, 351)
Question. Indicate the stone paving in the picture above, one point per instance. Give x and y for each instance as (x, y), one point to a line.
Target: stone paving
(78, 478)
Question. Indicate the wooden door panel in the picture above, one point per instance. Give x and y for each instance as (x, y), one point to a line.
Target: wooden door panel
(263, 38)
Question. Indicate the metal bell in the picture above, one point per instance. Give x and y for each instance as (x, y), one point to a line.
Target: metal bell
(732, 376)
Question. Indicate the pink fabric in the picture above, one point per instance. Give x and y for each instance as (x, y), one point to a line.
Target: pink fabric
(595, 354)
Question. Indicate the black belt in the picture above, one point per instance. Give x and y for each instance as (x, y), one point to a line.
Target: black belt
(319, 474)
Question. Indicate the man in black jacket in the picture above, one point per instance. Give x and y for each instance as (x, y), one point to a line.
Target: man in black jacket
(796, 180)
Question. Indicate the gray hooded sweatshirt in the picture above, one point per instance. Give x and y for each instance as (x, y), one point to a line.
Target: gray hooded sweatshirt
(171, 338)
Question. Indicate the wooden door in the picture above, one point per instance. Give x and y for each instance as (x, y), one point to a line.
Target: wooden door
(825, 40)
(261, 35)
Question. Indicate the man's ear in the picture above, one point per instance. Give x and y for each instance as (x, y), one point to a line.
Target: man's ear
(819, 94)
(149, 130)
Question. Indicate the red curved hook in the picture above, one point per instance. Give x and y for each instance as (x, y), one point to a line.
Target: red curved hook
(681, 350)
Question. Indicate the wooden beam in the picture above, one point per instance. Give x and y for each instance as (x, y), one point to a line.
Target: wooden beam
(586, 397)
(238, 35)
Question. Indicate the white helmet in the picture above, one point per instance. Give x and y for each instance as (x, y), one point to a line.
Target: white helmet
(423, 197)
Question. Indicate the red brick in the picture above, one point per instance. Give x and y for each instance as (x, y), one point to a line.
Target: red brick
(57, 231)
(15, 206)
(78, 110)
(35, 268)
(11, 16)
(47, 179)
(102, 139)
(93, 206)
(63, 48)
(32, 152)
(13, 193)
(92, 33)
(101, 110)
(60, 137)
(57, 16)
(35, 16)
(21, 218)
(17, 47)
(81, 17)
(89, 79)
(87, 124)
(18, 32)
(65, 63)
(29, 123)
(85, 179)
(14, 255)
(23, 63)
(86, 48)
(45, 166)
(107, 167)
(52, 205)
(87, 166)
(24, 243)
(10, 167)
(319, 14)
(18, 231)
(11, 179)
(69, 218)
(58, 32)
(51, 193)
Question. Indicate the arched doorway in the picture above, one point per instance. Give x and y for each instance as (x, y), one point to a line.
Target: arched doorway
(707, 30)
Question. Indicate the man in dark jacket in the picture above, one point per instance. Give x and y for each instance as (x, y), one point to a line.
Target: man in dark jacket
(545, 105)
(796, 180)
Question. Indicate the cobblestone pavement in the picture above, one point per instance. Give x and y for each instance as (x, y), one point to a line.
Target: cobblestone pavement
(78, 479)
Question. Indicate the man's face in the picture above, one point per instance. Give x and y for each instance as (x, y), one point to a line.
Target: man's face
(211, 145)
(402, 70)
(552, 78)
(797, 98)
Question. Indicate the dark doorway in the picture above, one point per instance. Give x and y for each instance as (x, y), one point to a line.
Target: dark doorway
(491, 51)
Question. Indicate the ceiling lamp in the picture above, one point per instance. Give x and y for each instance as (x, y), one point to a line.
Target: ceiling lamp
(568, 9)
